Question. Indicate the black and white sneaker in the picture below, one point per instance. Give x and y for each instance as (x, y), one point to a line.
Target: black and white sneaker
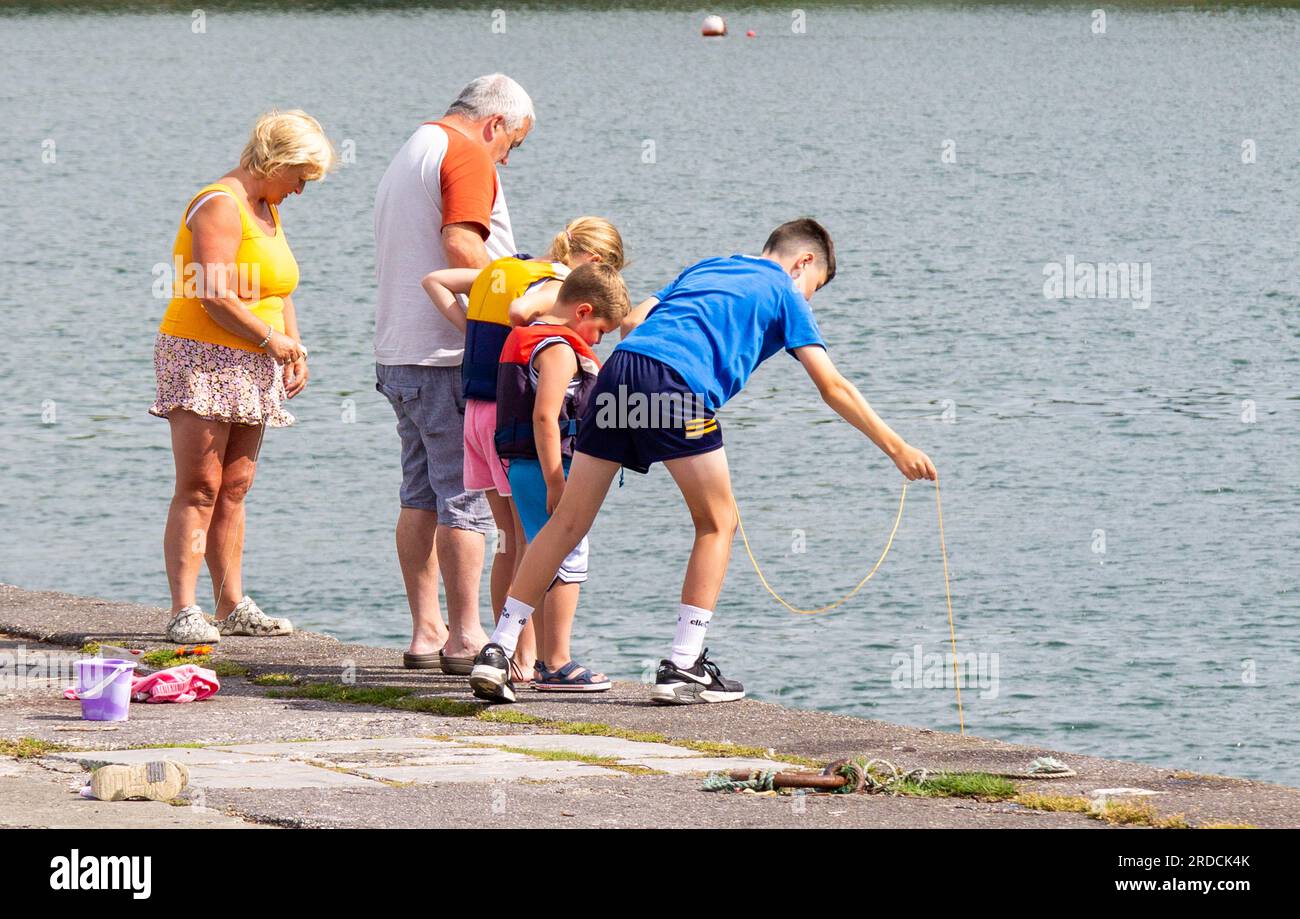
(490, 678)
(701, 682)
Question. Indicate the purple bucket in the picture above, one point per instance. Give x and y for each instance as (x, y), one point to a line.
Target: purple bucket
(104, 688)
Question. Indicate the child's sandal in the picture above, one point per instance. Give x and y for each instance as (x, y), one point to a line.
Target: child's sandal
(517, 674)
(567, 679)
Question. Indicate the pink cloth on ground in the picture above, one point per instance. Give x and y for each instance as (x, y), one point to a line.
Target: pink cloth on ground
(186, 683)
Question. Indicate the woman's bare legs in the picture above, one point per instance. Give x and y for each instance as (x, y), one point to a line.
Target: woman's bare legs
(197, 449)
(225, 552)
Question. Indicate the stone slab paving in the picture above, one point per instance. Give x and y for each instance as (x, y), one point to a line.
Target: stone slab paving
(40, 794)
(332, 774)
(423, 761)
(627, 751)
(216, 769)
(657, 756)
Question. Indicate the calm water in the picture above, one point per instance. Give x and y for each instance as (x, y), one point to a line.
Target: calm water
(1174, 645)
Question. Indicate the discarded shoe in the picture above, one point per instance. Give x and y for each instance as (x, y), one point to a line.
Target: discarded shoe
(160, 780)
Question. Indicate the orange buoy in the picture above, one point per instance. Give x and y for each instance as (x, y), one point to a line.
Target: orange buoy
(751, 34)
(713, 27)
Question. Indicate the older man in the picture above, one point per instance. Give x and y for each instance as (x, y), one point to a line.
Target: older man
(440, 205)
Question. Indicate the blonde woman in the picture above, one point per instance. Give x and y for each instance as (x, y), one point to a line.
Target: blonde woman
(227, 355)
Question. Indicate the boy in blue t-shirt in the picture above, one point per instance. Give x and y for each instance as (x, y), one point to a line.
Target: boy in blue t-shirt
(685, 352)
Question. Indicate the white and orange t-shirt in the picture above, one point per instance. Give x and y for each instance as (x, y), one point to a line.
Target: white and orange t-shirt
(439, 177)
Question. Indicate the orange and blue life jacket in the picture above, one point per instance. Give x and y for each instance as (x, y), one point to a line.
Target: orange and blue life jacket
(487, 321)
(517, 389)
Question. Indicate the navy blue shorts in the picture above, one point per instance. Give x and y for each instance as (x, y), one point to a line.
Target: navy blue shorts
(641, 412)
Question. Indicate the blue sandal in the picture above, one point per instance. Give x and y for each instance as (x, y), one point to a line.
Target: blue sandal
(564, 680)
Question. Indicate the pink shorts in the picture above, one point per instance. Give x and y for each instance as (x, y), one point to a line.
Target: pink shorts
(483, 468)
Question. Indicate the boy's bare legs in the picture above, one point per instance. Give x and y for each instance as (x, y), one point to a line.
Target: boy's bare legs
(584, 493)
(510, 546)
(588, 482)
(557, 629)
(556, 624)
(686, 677)
(705, 483)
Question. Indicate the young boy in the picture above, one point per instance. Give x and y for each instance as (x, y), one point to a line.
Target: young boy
(544, 380)
(695, 343)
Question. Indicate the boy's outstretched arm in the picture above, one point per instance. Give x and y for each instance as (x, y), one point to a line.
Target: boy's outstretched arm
(844, 398)
(442, 287)
(636, 317)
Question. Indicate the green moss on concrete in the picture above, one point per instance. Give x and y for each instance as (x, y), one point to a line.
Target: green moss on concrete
(593, 759)
(1116, 813)
(402, 698)
(1138, 813)
(162, 658)
(508, 716)
(591, 728)
(30, 747)
(1073, 804)
(228, 669)
(274, 679)
(979, 785)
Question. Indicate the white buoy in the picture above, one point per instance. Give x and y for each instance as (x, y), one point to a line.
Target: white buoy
(713, 26)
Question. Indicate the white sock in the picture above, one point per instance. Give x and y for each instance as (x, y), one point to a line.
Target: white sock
(514, 616)
(692, 623)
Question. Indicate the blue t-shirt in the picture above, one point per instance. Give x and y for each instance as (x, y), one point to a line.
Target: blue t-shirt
(720, 319)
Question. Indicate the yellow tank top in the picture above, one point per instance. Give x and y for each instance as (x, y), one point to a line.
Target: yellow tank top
(265, 273)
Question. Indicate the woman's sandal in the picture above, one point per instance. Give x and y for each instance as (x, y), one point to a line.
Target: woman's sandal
(568, 679)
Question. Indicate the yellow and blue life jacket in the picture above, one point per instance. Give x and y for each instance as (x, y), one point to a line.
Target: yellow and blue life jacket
(487, 321)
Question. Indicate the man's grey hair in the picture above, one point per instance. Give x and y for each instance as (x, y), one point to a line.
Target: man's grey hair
(494, 94)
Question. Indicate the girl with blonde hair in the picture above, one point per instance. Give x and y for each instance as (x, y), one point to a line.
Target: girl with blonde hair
(509, 291)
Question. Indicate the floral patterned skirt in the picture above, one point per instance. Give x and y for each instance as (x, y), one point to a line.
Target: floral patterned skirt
(218, 383)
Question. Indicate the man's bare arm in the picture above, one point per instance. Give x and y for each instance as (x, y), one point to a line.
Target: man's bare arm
(464, 246)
